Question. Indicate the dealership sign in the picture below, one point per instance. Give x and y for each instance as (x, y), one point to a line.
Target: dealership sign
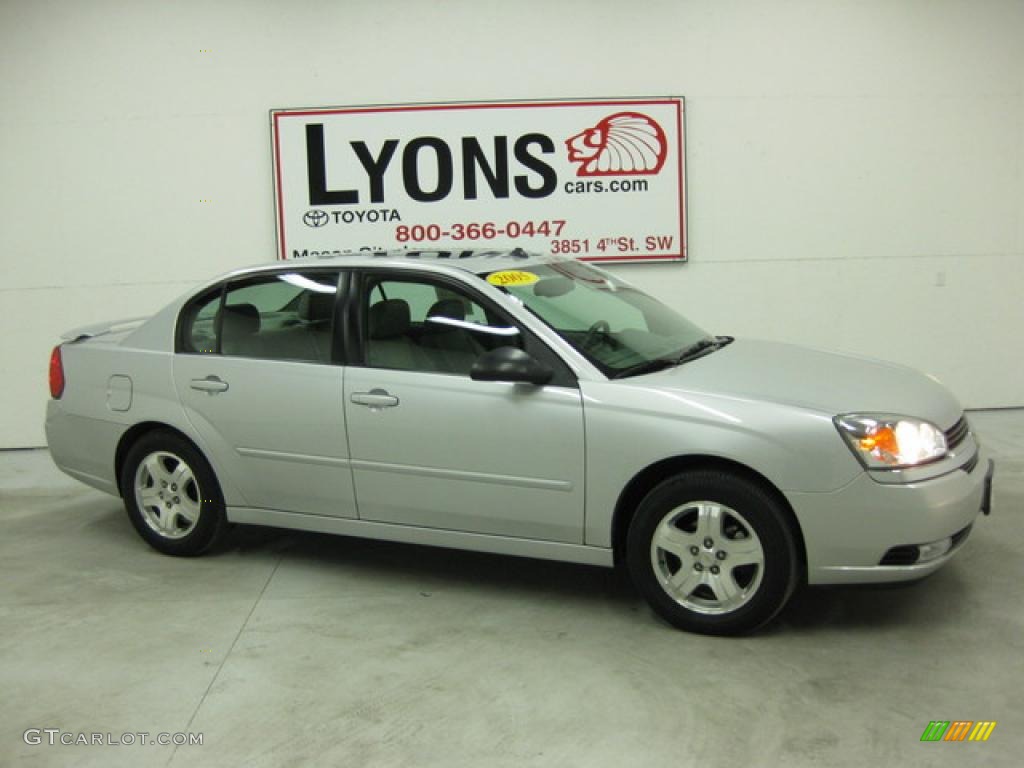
(599, 180)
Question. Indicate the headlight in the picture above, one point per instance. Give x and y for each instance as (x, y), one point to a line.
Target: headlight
(884, 441)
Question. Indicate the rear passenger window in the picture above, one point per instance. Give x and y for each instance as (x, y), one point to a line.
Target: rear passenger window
(424, 326)
(274, 317)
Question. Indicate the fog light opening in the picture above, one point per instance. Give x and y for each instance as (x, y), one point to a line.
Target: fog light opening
(934, 549)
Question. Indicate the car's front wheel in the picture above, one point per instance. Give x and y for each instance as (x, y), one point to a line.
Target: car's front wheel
(172, 495)
(712, 552)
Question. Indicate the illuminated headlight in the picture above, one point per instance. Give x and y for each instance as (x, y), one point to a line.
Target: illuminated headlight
(883, 441)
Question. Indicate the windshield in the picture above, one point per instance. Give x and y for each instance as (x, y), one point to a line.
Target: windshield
(618, 328)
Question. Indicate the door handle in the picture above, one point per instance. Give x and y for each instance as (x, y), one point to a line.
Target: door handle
(210, 384)
(375, 398)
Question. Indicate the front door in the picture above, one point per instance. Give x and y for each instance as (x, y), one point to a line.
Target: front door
(431, 447)
(258, 376)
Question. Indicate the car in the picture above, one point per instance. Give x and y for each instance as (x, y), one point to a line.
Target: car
(520, 404)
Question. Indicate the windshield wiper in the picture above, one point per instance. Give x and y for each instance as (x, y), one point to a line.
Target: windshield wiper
(692, 352)
(702, 347)
(648, 366)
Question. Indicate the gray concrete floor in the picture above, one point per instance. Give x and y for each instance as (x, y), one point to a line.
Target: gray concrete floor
(306, 650)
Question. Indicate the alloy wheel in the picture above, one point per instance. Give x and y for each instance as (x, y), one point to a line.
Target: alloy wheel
(167, 494)
(707, 557)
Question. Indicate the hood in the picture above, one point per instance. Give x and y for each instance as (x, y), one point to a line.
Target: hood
(828, 382)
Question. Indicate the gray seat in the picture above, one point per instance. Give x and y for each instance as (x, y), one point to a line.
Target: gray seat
(450, 349)
(309, 340)
(239, 330)
(315, 310)
(389, 344)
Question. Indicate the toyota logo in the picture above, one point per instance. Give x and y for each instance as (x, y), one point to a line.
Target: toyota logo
(315, 218)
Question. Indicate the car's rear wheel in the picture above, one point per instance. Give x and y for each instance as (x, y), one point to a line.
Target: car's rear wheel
(712, 552)
(172, 495)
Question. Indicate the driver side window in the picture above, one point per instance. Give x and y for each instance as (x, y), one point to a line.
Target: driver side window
(420, 325)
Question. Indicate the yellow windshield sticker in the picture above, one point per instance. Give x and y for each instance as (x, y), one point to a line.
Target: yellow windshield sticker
(510, 277)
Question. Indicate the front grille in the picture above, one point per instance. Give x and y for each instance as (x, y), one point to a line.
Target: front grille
(971, 463)
(956, 434)
(905, 555)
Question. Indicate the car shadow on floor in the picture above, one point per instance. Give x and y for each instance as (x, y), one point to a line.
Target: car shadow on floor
(436, 566)
(811, 610)
(867, 607)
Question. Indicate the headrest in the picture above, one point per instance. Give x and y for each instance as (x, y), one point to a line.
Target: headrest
(388, 319)
(239, 320)
(453, 308)
(315, 307)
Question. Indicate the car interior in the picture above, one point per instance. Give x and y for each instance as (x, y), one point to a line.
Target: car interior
(446, 338)
(409, 325)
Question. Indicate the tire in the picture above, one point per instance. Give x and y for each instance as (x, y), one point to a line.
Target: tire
(713, 553)
(172, 495)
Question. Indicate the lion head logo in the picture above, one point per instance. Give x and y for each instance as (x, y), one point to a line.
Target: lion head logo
(626, 143)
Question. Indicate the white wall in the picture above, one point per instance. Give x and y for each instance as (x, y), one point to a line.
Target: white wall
(855, 168)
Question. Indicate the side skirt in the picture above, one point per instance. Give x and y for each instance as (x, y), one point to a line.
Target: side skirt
(431, 537)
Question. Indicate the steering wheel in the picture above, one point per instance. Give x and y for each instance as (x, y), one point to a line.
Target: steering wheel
(597, 332)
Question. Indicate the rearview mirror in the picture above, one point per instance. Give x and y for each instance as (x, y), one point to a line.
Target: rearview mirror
(551, 287)
(510, 364)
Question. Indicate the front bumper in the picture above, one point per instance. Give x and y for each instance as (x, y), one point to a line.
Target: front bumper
(848, 532)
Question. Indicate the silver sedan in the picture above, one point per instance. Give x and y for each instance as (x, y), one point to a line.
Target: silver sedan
(519, 404)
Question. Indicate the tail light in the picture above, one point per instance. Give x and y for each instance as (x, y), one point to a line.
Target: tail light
(56, 374)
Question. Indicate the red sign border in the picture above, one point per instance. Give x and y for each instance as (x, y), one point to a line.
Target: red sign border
(677, 101)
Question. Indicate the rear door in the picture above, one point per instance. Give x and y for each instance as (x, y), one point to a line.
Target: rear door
(433, 448)
(259, 371)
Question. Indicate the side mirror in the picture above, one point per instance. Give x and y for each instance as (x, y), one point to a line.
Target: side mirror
(510, 364)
